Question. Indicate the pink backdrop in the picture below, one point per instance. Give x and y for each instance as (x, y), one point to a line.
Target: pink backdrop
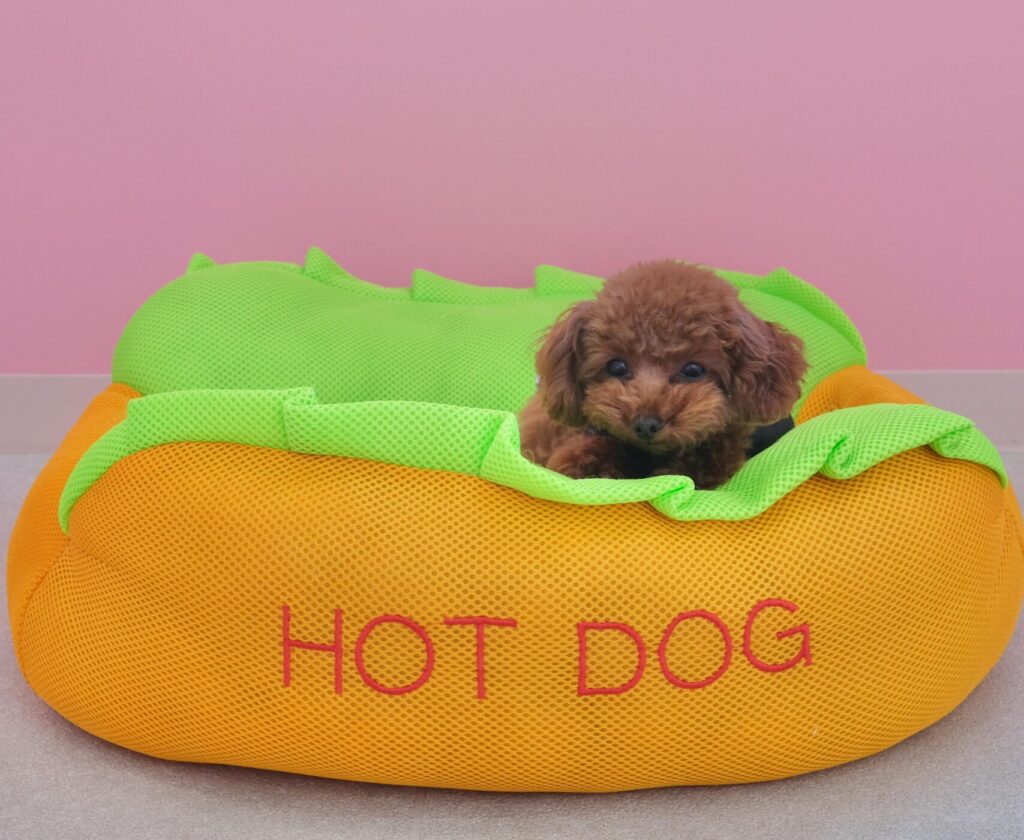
(874, 150)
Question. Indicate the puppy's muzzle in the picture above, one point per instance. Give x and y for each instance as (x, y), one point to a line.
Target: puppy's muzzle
(647, 427)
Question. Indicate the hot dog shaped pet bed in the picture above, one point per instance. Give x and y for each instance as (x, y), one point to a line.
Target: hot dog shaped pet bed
(297, 533)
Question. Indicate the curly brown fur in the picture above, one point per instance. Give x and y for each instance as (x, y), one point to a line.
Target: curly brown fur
(648, 417)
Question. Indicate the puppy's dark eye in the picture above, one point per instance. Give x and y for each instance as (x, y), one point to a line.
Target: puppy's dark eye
(692, 371)
(617, 368)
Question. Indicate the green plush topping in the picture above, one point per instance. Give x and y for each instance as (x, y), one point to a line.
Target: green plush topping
(430, 376)
(267, 325)
(485, 443)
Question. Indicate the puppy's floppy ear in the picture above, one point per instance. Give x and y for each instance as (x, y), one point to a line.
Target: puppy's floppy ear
(767, 366)
(558, 363)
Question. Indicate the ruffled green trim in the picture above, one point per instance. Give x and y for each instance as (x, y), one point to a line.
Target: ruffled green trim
(485, 443)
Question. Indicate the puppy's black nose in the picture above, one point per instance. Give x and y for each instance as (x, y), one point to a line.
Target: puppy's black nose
(647, 427)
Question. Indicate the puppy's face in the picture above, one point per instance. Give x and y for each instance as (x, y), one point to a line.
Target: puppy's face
(665, 357)
(660, 400)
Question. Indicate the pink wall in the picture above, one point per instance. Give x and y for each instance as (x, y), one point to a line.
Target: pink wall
(875, 151)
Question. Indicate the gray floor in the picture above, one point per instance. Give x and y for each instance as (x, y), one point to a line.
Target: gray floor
(962, 778)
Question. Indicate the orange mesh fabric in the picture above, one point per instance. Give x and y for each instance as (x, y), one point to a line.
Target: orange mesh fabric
(37, 539)
(850, 387)
(162, 625)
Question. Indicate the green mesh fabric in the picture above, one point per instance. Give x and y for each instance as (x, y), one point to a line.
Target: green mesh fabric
(315, 360)
(485, 442)
(272, 325)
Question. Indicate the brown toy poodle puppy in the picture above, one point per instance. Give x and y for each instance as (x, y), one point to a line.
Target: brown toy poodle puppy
(664, 372)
